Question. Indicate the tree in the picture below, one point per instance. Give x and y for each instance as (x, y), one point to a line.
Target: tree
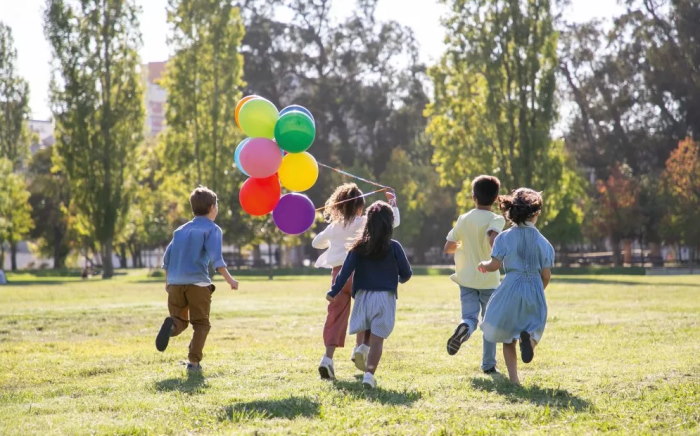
(14, 103)
(494, 105)
(362, 80)
(96, 100)
(15, 211)
(203, 80)
(681, 180)
(50, 196)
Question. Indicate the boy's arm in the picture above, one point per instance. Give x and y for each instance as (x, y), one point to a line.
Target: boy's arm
(166, 256)
(345, 272)
(227, 276)
(450, 247)
(492, 236)
(546, 275)
(212, 245)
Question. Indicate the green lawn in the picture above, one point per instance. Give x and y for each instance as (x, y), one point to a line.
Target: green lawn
(620, 354)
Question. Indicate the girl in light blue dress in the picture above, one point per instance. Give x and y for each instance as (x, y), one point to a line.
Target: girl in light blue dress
(517, 309)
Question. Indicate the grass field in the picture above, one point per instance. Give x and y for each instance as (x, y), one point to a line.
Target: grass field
(620, 354)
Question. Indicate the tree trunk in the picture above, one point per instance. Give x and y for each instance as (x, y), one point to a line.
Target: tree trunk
(107, 266)
(59, 258)
(655, 254)
(13, 255)
(617, 254)
(2, 255)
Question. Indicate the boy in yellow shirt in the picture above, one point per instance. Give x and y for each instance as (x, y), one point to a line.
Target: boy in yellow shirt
(470, 241)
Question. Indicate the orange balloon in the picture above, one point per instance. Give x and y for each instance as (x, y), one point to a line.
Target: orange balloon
(239, 105)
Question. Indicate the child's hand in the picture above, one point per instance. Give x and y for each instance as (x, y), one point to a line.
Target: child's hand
(329, 298)
(233, 283)
(390, 197)
(482, 267)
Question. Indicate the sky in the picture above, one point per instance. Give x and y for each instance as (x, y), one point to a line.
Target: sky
(33, 53)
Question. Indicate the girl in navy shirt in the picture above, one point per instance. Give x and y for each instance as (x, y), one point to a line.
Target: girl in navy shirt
(379, 264)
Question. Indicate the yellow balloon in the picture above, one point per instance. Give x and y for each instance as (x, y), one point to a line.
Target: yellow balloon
(298, 172)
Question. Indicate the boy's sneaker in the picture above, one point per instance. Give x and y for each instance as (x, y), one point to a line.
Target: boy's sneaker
(491, 371)
(359, 356)
(164, 334)
(460, 335)
(325, 368)
(369, 381)
(194, 367)
(526, 351)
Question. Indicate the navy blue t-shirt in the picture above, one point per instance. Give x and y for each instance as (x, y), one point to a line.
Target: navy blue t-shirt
(374, 274)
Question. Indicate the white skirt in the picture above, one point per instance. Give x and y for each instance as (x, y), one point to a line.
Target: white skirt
(374, 311)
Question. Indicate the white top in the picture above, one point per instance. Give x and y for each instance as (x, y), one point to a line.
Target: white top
(337, 238)
(471, 233)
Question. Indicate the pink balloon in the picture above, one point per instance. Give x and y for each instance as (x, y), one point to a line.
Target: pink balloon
(260, 158)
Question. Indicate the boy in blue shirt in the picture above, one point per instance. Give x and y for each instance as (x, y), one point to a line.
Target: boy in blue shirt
(194, 246)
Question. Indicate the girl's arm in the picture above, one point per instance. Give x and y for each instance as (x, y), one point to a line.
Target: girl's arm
(546, 275)
(391, 199)
(489, 266)
(345, 272)
(405, 271)
(322, 240)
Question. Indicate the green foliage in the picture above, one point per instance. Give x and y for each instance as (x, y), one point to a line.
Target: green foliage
(50, 196)
(97, 104)
(494, 108)
(363, 82)
(14, 103)
(15, 210)
(203, 78)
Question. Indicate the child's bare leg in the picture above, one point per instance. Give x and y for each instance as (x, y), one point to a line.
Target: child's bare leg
(330, 350)
(511, 358)
(376, 345)
(363, 337)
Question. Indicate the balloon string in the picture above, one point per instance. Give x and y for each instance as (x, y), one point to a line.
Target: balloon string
(345, 173)
(351, 199)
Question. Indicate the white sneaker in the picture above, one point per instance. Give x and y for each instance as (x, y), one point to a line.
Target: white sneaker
(325, 368)
(369, 381)
(359, 356)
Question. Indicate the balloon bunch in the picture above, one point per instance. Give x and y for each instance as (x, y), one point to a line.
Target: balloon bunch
(275, 154)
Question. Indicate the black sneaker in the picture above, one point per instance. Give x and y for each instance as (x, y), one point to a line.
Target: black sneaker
(526, 351)
(164, 334)
(460, 335)
(491, 371)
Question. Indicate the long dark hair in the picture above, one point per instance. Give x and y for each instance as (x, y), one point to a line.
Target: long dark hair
(521, 205)
(343, 205)
(376, 236)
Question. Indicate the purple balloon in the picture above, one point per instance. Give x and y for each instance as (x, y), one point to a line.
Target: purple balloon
(294, 214)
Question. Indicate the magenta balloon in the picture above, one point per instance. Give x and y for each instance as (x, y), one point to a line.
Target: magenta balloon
(294, 214)
(260, 158)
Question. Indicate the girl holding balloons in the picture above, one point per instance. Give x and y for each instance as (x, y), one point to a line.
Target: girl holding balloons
(344, 212)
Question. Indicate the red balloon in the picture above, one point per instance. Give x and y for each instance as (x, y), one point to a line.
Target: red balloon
(260, 196)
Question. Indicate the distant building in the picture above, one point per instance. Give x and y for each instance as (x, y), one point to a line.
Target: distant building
(44, 132)
(155, 96)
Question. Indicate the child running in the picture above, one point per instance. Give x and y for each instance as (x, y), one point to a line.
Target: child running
(379, 264)
(195, 245)
(344, 210)
(470, 241)
(517, 309)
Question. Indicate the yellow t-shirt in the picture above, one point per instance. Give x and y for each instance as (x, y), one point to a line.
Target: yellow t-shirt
(471, 233)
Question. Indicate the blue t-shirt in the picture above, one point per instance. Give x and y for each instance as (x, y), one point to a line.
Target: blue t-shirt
(194, 246)
(374, 274)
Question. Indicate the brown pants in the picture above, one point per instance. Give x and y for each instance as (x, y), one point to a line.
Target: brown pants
(190, 303)
(336, 326)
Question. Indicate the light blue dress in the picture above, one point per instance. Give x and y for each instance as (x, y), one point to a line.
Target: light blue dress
(518, 304)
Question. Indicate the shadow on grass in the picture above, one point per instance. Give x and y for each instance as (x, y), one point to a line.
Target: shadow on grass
(193, 384)
(385, 396)
(288, 408)
(602, 281)
(559, 398)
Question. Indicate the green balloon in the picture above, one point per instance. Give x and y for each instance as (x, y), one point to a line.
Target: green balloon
(294, 132)
(258, 117)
